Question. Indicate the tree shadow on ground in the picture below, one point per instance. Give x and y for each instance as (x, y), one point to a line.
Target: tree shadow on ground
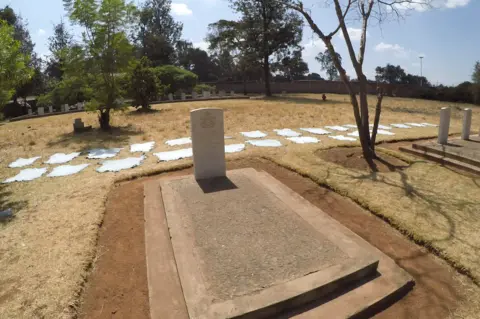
(97, 138)
(305, 100)
(6, 203)
(142, 111)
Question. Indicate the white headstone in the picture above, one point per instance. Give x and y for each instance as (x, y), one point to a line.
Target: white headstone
(232, 93)
(206, 94)
(29, 111)
(40, 110)
(194, 94)
(467, 123)
(444, 125)
(66, 108)
(50, 109)
(208, 143)
(221, 93)
(170, 96)
(183, 96)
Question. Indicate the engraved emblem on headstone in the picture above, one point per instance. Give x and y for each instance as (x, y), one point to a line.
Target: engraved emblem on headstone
(208, 120)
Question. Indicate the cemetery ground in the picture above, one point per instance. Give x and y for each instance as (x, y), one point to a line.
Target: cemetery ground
(50, 259)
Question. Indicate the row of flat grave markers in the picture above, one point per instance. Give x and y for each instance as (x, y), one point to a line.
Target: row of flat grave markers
(256, 139)
(205, 94)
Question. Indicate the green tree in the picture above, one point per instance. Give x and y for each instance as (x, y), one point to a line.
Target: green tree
(390, 74)
(197, 61)
(58, 45)
(314, 76)
(14, 68)
(106, 24)
(158, 32)
(476, 83)
(327, 64)
(176, 79)
(144, 84)
(292, 67)
(272, 29)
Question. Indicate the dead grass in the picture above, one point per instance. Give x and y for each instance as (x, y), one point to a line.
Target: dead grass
(47, 249)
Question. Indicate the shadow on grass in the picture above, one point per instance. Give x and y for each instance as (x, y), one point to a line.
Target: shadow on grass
(305, 100)
(5, 204)
(142, 111)
(97, 138)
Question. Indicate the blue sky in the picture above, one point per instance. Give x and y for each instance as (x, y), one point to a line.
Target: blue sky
(447, 36)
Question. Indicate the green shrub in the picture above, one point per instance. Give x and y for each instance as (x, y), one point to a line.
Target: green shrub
(144, 84)
(204, 87)
(176, 79)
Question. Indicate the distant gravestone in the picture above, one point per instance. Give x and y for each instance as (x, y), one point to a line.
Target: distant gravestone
(232, 93)
(29, 111)
(221, 93)
(79, 126)
(65, 108)
(208, 143)
(40, 110)
(194, 95)
(50, 109)
(206, 94)
(444, 126)
(467, 123)
(284, 93)
(183, 96)
(170, 96)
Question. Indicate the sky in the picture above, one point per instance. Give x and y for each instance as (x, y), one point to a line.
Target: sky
(445, 35)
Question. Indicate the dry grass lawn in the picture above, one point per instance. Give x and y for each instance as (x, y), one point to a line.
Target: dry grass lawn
(49, 247)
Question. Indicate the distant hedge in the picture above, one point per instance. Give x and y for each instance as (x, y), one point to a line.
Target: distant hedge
(176, 79)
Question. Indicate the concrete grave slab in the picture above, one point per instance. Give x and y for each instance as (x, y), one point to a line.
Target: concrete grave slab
(303, 139)
(254, 134)
(66, 170)
(234, 148)
(287, 132)
(102, 153)
(142, 147)
(61, 158)
(399, 125)
(179, 141)
(118, 165)
(318, 131)
(342, 138)
(243, 247)
(337, 128)
(416, 124)
(27, 174)
(265, 143)
(174, 155)
(21, 162)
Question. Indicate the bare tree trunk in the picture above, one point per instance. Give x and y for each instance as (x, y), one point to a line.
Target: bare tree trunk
(378, 110)
(266, 71)
(104, 119)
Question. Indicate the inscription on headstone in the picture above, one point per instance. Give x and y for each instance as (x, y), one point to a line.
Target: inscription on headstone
(208, 143)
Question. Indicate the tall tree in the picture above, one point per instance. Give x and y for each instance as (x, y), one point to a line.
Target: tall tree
(14, 68)
(292, 67)
(106, 24)
(364, 9)
(476, 83)
(197, 61)
(58, 45)
(328, 65)
(390, 74)
(158, 32)
(273, 29)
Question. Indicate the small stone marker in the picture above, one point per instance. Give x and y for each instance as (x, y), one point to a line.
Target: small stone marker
(194, 95)
(183, 96)
(467, 123)
(66, 108)
(221, 93)
(79, 126)
(208, 143)
(29, 110)
(170, 96)
(232, 93)
(40, 110)
(50, 109)
(206, 94)
(444, 125)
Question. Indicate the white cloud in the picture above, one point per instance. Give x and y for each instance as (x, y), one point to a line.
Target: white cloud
(181, 9)
(396, 49)
(355, 34)
(201, 45)
(456, 3)
(41, 32)
(313, 48)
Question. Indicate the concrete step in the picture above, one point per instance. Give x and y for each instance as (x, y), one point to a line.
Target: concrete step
(441, 159)
(446, 154)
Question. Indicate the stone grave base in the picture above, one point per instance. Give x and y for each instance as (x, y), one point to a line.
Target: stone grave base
(247, 246)
(463, 154)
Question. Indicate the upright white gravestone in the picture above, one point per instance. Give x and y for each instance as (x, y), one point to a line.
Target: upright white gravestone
(444, 125)
(170, 96)
(183, 96)
(50, 109)
(40, 110)
(194, 95)
(29, 110)
(208, 143)
(221, 93)
(232, 93)
(467, 123)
